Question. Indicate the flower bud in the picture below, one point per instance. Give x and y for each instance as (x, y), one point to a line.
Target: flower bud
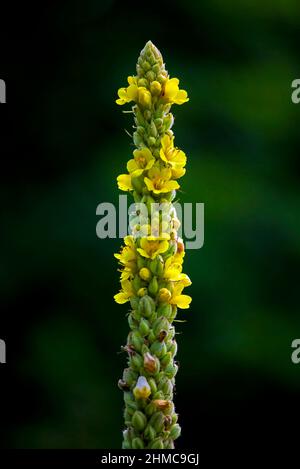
(142, 292)
(129, 376)
(157, 421)
(150, 409)
(143, 82)
(144, 97)
(155, 88)
(164, 295)
(153, 130)
(137, 443)
(134, 302)
(159, 349)
(151, 141)
(157, 266)
(164, 309)
(160, 324)
(150, 75)
(146, 306)
(169, 444)
(137, 140)
(173, 348)
(161, 404)
(140, 262)
(175, 431)
(139, 421)
(136, 340)
(145, 274)
(152, 385)
(171, 370)
(153, 286)
(149, 363)
(167, 388)
(142, 389)
(166, 359)
(157, 443)
(149, 433)
(144, 327)
(136, 282)
(146, 66)
(136, 361)
(132, 322)
(126, 445)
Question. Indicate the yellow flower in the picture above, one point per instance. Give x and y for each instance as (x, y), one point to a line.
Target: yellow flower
(124, 182)
(126, 293)
(159, 180)
(144, 96)
(181, 301)
(142, 160)
(128, 94)
(173, 156)
(127, 257)
(150, 247)
(173, 269)
(172, 93)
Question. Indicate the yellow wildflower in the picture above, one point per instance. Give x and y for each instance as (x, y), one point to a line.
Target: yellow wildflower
(181, 301)
(127, 257)
(144, 96)
(128, 94)
(159, 180)
(124, 182)
(141, 161)
(173, 156)
(126, 293)
(172, 94)
(150, 248)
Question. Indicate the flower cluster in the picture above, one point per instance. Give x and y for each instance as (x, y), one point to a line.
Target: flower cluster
(151, 259)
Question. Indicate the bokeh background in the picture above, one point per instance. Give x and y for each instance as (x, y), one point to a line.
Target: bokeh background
(63, 143)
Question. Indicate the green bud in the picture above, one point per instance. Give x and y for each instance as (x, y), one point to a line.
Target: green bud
(149, 433)
(136, 361)
(157, 443)
(157, 266)
(171, 370)
(158, 348)
(153, 129)
(137, 443)
(129, 376)
(164, 309)
(157, 421)
(167, 388)
(173, 348)
(166, 359)
(136, 340)
(144, 327)
(175, 431)
(150, 75)
(160, 324)
(147, 114)
(132, 322)
(151, 141)
(174, 418)
(153, 286)
(150, 409)
(126, 445)
(169, 444)
(137, 140)
(158, 395)
(137, 182)
(146, 306)
(158, 123)
(144, 349)
(141, 262)
(139, 421)
(134, 302)
(143, 82)
(152, 385)
(168, 121)
(135, 314)
(151, 336)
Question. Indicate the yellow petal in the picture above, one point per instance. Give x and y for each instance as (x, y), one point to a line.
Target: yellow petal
(182, 301)
(124, 182)
(149, 184)
(121, 298)
(132, 166)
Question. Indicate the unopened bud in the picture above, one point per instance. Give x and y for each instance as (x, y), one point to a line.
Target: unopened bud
(144, 97)
(137, 443)
(159, 349)
(142, 389)
(161, 404)
(145, 274)
(152, 385)
(155, 88)
(146, 306)
(136, 361)
(142, 292)
(164, 309)
(149, 433)
(171, 370)
(144, 327)
(139, 421)
(157, 266)
(129, 376)
(157, 443)
(166, 359)
(153, 286)
(149, 363)
(175, 431)
(160, 323)
(157, 421)
(164, 295)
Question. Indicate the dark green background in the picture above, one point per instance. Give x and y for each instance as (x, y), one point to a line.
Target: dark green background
(64, 145)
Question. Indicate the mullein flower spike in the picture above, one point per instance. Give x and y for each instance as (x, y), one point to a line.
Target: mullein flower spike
(152, 257)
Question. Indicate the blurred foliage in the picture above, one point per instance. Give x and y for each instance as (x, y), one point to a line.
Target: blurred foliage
(240, 132)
